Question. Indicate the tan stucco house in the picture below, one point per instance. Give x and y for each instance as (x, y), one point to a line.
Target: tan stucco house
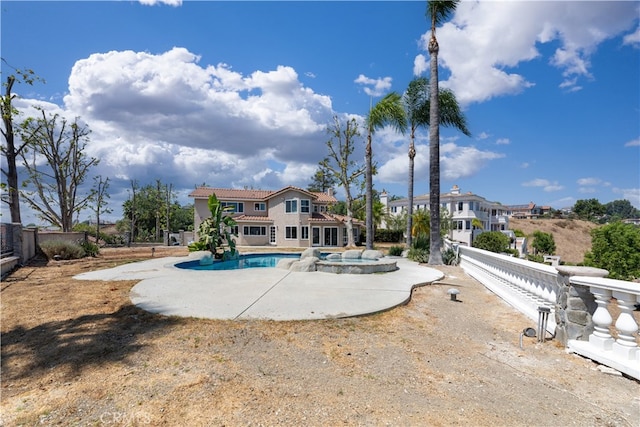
(289, 217)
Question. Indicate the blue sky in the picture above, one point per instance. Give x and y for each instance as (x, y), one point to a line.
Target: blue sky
(239, 94)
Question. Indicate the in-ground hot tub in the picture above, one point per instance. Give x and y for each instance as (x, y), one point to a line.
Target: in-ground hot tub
(348, 262)
(357, 266)
(356, 262)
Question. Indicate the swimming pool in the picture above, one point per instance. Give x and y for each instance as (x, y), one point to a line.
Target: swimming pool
(245, 261)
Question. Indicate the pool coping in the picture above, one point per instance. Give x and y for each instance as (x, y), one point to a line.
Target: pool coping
(264, 293)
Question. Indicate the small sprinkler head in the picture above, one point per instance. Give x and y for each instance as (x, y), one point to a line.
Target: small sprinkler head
(453, 293)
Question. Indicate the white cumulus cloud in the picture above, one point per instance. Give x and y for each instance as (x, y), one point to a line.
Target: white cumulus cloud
(166, 116)
(545, 184)
(484, 62)
(374, 87)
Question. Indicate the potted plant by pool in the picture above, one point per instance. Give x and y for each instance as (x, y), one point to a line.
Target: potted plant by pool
(215, 233)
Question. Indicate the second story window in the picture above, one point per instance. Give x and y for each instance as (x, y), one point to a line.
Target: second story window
(305, 206)
(233, 207)
(460, 205)
(291, 206)
(260, 207)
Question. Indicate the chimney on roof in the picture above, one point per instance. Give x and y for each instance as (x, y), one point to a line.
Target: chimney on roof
(455, 190)
(330, 191)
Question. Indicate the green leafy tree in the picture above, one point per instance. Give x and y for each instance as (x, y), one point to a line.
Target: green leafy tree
(181, 217)
(152, 208)
(339, 208)
(437, 12)
(216, 232)
(616, 248)
(396, 222)
(416, 102)
(543, 243)
(387, 112)
(341, 165)
(322, 180)
(493, 241)
(620, 209)
(57, 165)
(589, 209)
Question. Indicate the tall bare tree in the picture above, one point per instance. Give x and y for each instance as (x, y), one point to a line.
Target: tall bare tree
(437, 12)
(55, 161)
(342, 166)
(9, 149)
(387, 112)
(99, 196)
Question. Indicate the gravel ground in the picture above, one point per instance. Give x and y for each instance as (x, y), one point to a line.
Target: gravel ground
(78, 353)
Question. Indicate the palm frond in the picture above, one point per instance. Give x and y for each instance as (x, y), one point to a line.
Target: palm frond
(387, 112)
(439, 10)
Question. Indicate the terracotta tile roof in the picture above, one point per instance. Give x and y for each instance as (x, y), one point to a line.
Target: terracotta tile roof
(252, 218)
(230, 194)
(291, 187)
(321, 217)
(343, 218)
(233, 194)
(327, 217)
(324, 197)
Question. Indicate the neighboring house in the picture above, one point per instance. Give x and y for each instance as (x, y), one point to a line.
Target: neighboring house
(529, 211)
(462, 208)
(290, 217)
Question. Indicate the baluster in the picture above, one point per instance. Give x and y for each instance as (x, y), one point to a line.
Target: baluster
(548, 293)
(527, 282)
(539, 277)
(521, 279)
(625, 346)
(601, 338)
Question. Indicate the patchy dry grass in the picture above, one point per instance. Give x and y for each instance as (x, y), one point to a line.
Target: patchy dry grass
(79, 353)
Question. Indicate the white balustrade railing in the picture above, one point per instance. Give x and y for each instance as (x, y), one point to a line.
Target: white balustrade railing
(528, 285)
(622, 353)
(524, 284)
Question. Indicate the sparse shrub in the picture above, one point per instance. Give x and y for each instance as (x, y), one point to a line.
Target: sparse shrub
(535, 258)
(449, 257)
(421, 241)
(396, 250)
(419, 250)
(513, 252)
(63, 249)
(519, 233)
(90, 248)
(418, 255)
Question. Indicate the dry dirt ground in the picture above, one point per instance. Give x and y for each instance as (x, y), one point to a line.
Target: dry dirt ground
(572, 237)
(78, 353)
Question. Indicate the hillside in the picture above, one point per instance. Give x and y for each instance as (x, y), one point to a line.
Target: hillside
(572, 237)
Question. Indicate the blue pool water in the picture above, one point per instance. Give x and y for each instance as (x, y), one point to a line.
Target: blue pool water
(245, 261)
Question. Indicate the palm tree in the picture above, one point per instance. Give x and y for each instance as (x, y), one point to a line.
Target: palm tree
(388, 111)
(421, 224)
(437, 12)
(416, 101)
(417, 104)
